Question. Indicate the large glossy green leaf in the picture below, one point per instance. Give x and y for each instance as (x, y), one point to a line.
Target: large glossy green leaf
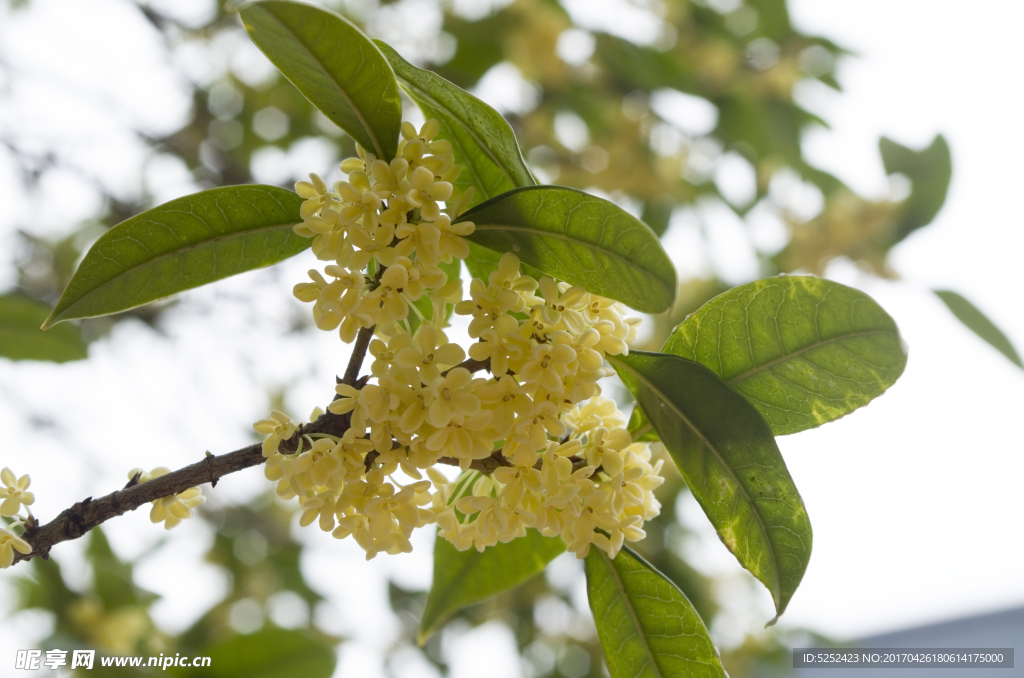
(483, 140)
(334, 65)
(803, 350)
(581, 239)
(647, 627)
(978, 322)
(727, 454)
(21, 338)
(465, 577)
(182, 244)
(268, 653)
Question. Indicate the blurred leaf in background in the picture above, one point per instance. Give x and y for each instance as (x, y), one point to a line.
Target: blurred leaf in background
(263, 627)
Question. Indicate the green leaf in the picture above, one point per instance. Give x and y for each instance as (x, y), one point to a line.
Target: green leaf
(334, 65)
(646, 625)
(657, 213)
(465, 577)
(728, 457)
(929, 171)
(269, 653)
(482, 261)
(113, 579)
(182, 244)
(640, 427)
(21, 338)
(581, 239)
(483, 140)
(803, 350)
(977, 322)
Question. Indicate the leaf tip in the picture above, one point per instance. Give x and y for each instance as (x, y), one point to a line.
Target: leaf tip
(50, 321)
(773, 620)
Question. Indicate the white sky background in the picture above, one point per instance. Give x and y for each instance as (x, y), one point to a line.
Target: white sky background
(915, 500)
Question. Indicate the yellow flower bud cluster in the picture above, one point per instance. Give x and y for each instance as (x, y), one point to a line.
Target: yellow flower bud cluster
(538, 445)
(386, 213)
(603, 498)
(175, 508)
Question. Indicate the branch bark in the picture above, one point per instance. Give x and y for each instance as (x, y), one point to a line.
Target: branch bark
(74, 522)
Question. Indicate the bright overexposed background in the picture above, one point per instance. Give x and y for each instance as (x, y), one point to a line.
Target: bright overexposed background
(915, 500)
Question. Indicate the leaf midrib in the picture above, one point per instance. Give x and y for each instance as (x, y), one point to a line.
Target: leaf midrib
(172, 253)
(721, 460)
(541, 233)
(800, 351)
(452, 585)
(323, 68)
(628, 602)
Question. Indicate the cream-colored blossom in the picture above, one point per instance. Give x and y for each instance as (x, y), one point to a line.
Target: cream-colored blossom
(15, 493)
(452, 394)
(276, 429)
(172, 509)
(430, 352)
(9, 543)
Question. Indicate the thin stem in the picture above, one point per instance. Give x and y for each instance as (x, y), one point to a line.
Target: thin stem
(414, 308)
(471, 365)
(642, 431)
(74, 522)
(355, 363)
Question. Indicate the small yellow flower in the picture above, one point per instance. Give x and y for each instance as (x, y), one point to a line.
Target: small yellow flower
(486, 305)
(561, 308)
(316, 196)
(504, 399)
(371, 241)
(389, 179)
(425, 192)
(453, 242)
(463, 437)
(175, 508)
(384, 354)
(547, 365)
(277, 429)
(502, 345)
(452, 394)
(9, 543)
(429, 353)
(15, 494)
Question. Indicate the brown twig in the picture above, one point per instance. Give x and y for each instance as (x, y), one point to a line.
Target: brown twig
(471, 365)
(363, 337)
(74, 522)
(355, 363)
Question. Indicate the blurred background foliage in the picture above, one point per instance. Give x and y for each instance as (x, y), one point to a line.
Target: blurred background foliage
(695, 112)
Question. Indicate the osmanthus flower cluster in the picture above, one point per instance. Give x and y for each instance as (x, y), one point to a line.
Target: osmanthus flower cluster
(538, 445)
